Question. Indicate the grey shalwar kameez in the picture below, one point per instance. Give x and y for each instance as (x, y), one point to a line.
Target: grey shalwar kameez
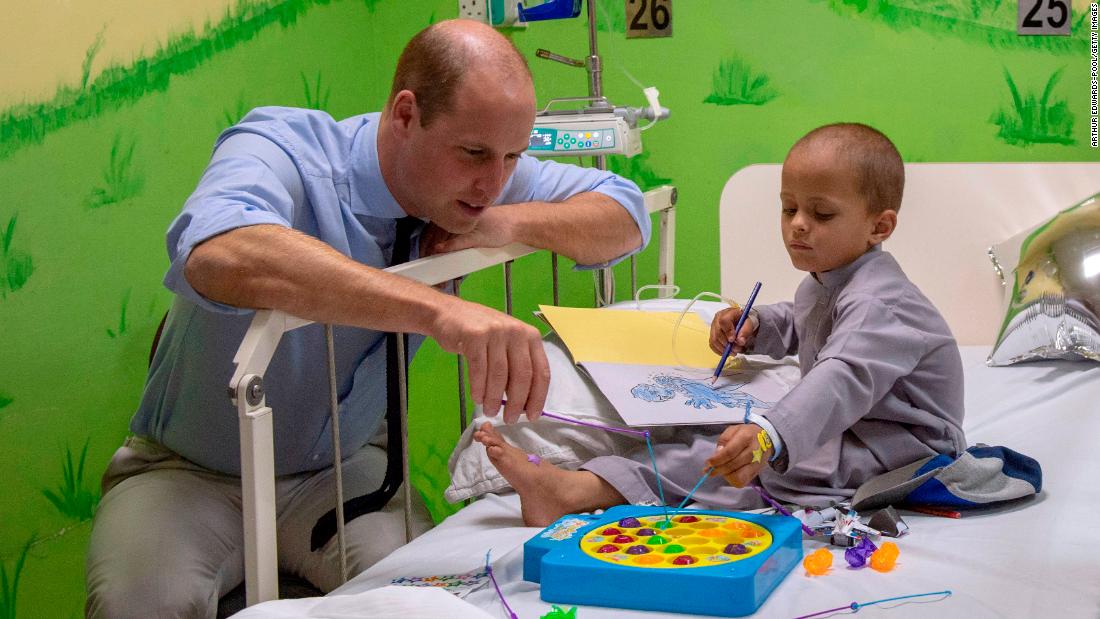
(882, 386)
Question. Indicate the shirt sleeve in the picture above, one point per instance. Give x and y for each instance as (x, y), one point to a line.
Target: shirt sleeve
(549, 181)
(868, 350)
(234, 192)
(775, 333)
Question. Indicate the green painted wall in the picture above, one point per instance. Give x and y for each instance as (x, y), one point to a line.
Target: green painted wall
(90, 180)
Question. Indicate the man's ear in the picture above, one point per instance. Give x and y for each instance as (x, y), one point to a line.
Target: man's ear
(884, 225)
(404, 113)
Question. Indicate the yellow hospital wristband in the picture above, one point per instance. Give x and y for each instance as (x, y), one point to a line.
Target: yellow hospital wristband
(764, 440)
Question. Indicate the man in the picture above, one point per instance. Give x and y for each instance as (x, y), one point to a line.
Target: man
(297, 212)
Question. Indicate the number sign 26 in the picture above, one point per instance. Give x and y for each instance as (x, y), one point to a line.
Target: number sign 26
(648, 18)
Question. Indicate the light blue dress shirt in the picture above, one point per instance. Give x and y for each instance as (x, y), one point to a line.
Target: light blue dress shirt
(347, 205)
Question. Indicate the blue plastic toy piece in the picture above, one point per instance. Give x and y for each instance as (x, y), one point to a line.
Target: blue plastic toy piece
(551, 9)
(703, 575)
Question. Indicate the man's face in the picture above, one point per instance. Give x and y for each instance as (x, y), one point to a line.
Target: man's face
(455, 168)
(825, 219)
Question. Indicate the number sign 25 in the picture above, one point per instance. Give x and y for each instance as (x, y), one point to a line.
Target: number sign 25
(648, 18)
(1043, 17)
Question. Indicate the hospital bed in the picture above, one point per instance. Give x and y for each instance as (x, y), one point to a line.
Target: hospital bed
(1037, 557)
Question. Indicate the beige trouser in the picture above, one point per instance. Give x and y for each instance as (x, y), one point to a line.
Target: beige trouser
(168, 539)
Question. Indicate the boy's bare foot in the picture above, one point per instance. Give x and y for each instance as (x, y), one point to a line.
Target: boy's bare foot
(546, 492)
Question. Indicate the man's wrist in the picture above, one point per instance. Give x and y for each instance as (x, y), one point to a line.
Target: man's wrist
(427, 311)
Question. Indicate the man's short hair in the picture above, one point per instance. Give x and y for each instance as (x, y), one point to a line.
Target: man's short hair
(434, 62)
(877, 162)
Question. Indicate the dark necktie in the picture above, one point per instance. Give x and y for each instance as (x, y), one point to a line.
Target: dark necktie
(375, 501)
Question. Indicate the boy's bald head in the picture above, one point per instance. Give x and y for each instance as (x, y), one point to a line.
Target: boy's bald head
(873, 157)
(436, 60)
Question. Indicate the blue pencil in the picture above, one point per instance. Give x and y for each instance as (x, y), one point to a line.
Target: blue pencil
(736, 331)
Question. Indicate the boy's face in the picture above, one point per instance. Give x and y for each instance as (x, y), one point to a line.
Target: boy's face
(825, 220)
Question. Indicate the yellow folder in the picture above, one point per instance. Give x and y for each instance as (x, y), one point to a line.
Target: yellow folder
(632, 337)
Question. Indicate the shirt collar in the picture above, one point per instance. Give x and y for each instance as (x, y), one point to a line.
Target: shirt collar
(369, 194)
(840, 275)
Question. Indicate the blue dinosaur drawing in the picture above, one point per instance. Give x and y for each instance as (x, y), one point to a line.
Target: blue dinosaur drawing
(652, 393)
(700, 394)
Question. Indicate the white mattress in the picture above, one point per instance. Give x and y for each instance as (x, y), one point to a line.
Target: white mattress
(1034, 559)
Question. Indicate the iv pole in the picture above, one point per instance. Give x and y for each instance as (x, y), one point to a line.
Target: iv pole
(605, 279)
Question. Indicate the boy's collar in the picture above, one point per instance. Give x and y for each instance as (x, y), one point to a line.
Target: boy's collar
(840, 275)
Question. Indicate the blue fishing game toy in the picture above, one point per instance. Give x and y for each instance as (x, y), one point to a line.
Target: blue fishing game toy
(697, 561)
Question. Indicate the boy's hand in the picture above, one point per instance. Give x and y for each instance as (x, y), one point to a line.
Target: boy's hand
(740, 456)
(721, 330)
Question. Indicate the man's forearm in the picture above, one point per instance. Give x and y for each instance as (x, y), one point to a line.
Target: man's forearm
(589, 228)
(271, 267)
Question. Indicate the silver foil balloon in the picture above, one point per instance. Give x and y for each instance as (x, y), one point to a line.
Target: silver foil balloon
(1051, 275)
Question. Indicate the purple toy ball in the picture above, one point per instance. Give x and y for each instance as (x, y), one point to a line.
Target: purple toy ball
(736, 549)
(858, 555)
(630, 523)
(637, 550)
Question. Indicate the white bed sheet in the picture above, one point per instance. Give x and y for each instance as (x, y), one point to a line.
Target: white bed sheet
(1034, 559)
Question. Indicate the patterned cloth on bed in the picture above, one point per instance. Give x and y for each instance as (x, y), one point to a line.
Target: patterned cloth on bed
(981, 476)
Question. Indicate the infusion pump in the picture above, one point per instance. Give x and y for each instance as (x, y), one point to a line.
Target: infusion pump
(575, 134)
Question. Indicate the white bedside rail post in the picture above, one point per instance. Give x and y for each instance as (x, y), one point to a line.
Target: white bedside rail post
(246, 389)
(257, 492)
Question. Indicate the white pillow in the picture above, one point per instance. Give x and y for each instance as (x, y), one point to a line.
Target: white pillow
(562, 444)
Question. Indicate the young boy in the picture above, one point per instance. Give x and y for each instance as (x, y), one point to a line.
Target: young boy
(882, 381)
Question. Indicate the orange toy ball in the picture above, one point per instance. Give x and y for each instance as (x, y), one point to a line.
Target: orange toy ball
(818, 562)
(884, 558)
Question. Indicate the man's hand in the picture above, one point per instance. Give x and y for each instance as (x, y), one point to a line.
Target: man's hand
(739, 456)
(721, 330)
(588, 228)
(504, 354)
(494, 229)
(431, 238)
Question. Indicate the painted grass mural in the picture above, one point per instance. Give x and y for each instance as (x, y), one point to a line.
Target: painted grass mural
(989, 22)
(89, 57)
(72, 497)
(9, 581)
(82, 312)
(16, 267)
(122, 179)
(1035, 119)
(120, 328)
(637, 169)
(234, 114)
(735, 83)
(315, 99)
(117, 87)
